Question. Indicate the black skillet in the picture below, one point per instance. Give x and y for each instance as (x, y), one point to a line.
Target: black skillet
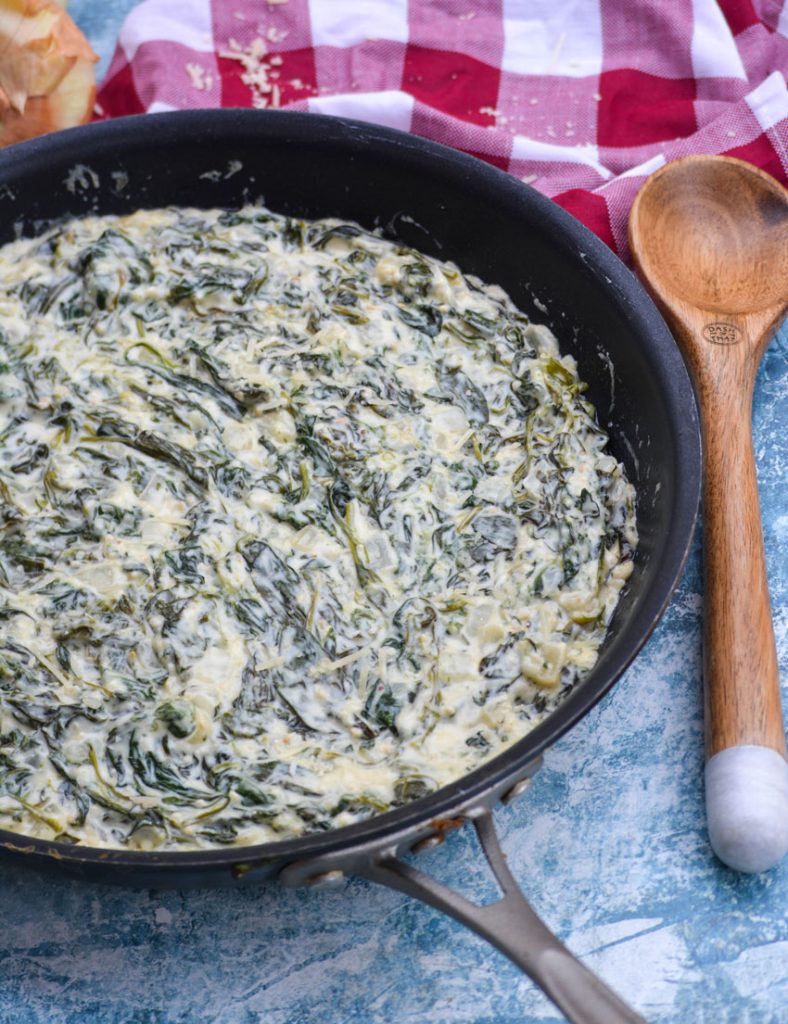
(454, 207)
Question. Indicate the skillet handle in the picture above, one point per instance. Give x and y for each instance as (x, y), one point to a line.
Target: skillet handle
(513, 928)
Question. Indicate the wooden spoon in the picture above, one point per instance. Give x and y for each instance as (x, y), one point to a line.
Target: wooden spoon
(709, 237)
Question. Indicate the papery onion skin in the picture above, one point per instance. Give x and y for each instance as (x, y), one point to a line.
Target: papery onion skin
(47, 80)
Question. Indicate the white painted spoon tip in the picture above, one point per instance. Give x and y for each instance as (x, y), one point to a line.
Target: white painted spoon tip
(747, 807)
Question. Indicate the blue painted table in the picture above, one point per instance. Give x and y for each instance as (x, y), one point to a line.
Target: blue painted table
(610, 845)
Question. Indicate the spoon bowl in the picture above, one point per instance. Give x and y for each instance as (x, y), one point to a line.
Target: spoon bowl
(716, 235)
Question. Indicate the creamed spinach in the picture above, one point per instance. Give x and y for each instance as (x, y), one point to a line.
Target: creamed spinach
(296, 525)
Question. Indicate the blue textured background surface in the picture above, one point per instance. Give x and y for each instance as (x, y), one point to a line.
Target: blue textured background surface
(609, 844)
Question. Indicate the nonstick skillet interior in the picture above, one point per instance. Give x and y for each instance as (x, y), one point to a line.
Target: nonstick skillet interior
(450, 206)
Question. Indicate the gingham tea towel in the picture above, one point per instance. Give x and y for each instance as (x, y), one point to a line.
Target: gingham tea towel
(580, 98)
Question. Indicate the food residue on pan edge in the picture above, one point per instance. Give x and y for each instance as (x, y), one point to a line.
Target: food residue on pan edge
(297, 525)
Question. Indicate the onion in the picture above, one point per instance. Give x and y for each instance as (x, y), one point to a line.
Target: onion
(47, 79)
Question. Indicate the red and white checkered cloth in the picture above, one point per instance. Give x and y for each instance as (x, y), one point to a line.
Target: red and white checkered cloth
(581, 98)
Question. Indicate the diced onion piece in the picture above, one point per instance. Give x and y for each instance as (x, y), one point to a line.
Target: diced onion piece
(542, 666)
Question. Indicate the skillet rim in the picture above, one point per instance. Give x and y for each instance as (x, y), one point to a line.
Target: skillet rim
(621, 288)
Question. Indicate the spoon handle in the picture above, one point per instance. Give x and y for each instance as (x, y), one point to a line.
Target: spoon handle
(746, 770)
